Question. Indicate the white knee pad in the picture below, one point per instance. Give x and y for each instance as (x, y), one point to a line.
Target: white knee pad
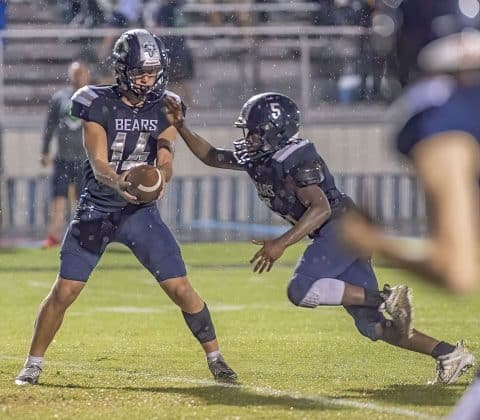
(324, 291)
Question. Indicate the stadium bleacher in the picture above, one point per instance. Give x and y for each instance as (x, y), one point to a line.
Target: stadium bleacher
(39, 46)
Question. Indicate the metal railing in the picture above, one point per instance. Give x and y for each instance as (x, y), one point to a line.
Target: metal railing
(213, 207)
(274, 7)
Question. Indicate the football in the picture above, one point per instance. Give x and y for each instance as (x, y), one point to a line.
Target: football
(146, 183)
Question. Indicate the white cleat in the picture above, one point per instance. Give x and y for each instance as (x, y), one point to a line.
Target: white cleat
(398, 304)
(29, 375)
(453, 365)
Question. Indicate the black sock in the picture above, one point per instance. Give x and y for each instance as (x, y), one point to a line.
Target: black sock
(442, 349)
(373, 298)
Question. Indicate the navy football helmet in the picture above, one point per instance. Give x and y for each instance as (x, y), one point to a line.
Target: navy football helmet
(270, 121)
(137, 52)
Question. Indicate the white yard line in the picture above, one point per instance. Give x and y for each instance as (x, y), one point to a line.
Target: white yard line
(40, 284)
(171, 307)
(272, 392)
(118, 310)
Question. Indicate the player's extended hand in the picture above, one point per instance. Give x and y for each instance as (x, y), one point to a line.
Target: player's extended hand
(121, 187)
(271, 250)
(174, 111)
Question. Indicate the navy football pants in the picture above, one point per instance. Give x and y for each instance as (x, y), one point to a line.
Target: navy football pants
(140, 228)
(326, 257)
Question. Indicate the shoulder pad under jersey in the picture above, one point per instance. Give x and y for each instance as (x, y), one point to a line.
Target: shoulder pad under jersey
(301, 161)
(423, 95)
(87, 102)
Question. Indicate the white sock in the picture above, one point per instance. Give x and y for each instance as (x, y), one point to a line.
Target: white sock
(324, 292)
(34, 360)
(213, 355)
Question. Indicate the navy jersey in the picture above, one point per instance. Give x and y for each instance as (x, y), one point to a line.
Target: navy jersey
(434, 106)
(131, 134)
(296, 165)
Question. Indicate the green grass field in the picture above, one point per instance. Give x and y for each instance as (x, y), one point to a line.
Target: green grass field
(124, 351)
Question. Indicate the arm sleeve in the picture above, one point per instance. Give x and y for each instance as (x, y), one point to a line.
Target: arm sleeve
(50, 124)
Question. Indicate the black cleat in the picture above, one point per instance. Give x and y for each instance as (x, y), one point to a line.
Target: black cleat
(221, 371)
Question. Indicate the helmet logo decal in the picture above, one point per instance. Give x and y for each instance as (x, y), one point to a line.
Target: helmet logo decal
(149, 48)
(151, 54)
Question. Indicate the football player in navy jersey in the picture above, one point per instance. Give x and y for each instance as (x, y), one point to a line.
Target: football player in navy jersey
(293, 180)
(439, 133)
(124, 125)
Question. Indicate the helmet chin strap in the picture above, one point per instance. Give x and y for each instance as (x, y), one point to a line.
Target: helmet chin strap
(134, 98)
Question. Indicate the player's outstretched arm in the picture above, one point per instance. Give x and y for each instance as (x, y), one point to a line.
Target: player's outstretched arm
(95, 143)
(200, 147)
(448, 165)
(318, 212)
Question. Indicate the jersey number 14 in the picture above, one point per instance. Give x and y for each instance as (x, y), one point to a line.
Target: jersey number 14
(137, 157)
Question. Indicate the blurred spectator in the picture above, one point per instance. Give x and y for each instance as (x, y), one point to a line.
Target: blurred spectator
(123, 13)
(70, 9)
(356, 74)
(262, 16)
(104, 62)
(70, 153)
(417, 32)
(3, 18)
(323, 15)
(240, 18)
(352, 12)
(167, 13)
(343, 12)
(83, 12)
(182, 69)
(126, 13)
(3, 14)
